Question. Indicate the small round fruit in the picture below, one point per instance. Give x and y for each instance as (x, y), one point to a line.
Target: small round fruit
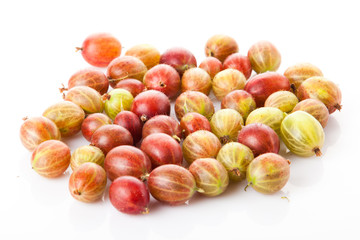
(129, 195)
(117, 100)
(179, 58)
(240, 101)
(226, 124)
(87, 98)
(269, 116)
(302, 134)
(90, 77)
(200, 144)
(315, 108)
(92, 122)
(196, 79)
(260, 138)
(162, 149)
(163, 78)
(193, 122)
(127, 161)
(220, 46)
(162, 124)
(100, 49)
(240, 63)
(51, 158)
(86, 154)
(283, 100)
(268, 173)
(131, 122)
(227, 81)
(67, 116)
(88, 182)
(148, 54)
(171, 184)
(212, 66)
(134, 86)
(193, 101)
(264, 57)
(321, 89)
(210, 176)
(108, 137)
(300, 72)
(235, 157)
(149, 104)
(36, 130)
(125, 67)
(263, 85)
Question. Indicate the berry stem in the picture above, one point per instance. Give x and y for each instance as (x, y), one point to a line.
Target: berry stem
(63, 88)
(236, 171)
(176, 138)
(78, 49)
(317, 151)
(338, 106)
(145, 177)
(247, 186)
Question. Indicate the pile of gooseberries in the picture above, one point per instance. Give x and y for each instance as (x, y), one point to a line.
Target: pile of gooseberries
(140, 148)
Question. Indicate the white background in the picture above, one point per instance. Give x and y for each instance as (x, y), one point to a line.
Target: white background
(37, 54)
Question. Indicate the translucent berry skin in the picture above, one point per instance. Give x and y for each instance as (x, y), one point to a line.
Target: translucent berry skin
(129, 195)
(193, 101)
(260, 138)
(100, 49)
(67, 116)
(92, 122)
(210, 176)
(269, 116)
(163, 124)
(148, 54)
(162, 149)
(263, 85)
(108, 137)
(299, 73)
(131, 122)
(179, 58)
(227, 81)
(88, 182)
(226, 124)
(118, 100)
(302, 134)
(196, 79)
(90, 77)
(264, 57)
(125, 67)
(240, 63)
(127, 161)
(87, 98)
(315, 108)
(134, 86)
(240, 101)
(193, 122)
(283, 100)
(200, 144)
(36, 130)
(268, 173)
(51, 158)
(163, 78)
(172, 184)
(321, 89)
(149, 104)
(220, 46)
(85, 154)
(235, 157)
(212, 66)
